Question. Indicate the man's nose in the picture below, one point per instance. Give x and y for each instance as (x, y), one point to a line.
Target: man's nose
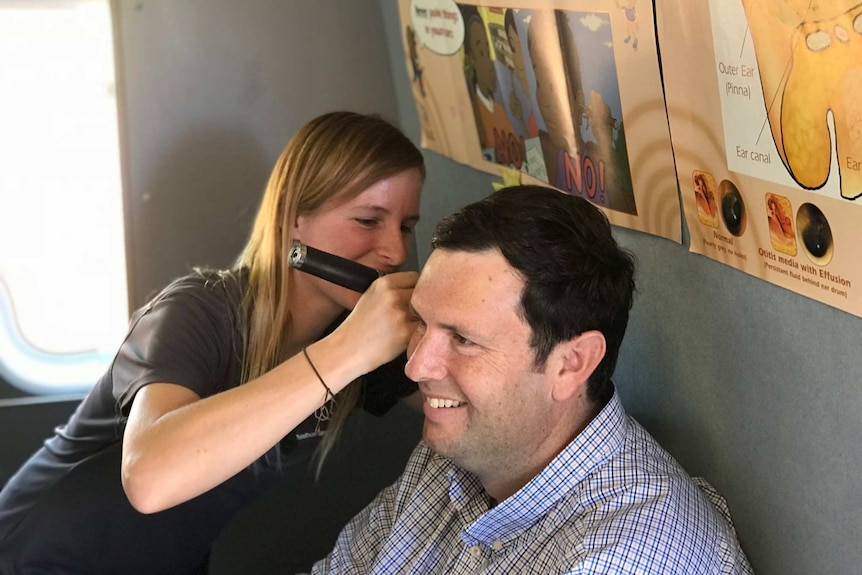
(424, 357)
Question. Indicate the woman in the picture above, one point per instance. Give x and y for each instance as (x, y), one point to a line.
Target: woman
(226, 378)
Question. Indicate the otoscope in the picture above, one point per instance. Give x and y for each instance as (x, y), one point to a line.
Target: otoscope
(331, 267)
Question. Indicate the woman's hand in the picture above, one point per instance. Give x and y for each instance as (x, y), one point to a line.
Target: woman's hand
(380, 325)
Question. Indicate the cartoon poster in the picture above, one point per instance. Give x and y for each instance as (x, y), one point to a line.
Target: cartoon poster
(764, 101)
(564, 94)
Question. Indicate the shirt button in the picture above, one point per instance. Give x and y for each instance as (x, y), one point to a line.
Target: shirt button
(497, 545)
(475, 551)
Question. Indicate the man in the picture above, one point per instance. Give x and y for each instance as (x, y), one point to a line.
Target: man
(528, 462)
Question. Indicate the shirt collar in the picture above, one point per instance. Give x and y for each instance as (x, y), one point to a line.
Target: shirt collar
(598, 441)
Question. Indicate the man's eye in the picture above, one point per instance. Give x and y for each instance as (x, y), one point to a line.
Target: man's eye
(461, 340)
(407, 230)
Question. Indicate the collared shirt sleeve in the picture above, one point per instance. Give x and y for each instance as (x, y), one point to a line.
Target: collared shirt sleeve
(362, 540)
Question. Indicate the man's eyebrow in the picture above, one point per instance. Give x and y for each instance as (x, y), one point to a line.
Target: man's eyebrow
(450, 327)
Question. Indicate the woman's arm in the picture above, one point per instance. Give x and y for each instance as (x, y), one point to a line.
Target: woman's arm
(177, 445)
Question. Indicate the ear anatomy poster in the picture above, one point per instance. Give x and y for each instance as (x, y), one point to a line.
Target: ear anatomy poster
(764, 101)
(565, 94)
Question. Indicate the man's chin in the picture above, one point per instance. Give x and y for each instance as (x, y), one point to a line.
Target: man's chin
(445, 446)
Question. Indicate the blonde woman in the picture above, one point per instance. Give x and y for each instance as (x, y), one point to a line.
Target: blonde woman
(228, 378)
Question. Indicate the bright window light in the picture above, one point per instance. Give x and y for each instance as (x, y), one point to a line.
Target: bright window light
(63, 291)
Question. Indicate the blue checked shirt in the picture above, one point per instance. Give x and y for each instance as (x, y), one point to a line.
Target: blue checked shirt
(613, 501)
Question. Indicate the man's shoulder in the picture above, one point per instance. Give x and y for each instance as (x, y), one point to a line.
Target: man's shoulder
(640, 508)
(641, 475)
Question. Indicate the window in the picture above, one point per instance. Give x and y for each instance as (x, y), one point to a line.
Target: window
(63, 292)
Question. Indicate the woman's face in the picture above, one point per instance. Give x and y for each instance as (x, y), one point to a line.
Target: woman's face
(375, 228)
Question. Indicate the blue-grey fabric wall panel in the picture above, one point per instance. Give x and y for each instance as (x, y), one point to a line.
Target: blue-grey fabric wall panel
(752, 386)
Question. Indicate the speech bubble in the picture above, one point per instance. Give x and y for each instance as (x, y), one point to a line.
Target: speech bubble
(438, 24)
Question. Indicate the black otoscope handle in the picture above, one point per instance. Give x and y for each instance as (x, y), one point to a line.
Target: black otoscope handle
(330, 267)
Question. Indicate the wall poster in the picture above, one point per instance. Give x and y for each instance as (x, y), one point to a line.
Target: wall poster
(764, 100)
(563, 93)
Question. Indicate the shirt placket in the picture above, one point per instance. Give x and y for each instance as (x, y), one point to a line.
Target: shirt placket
(474, 556)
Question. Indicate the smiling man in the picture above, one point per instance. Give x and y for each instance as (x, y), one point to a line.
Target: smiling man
(529, 463)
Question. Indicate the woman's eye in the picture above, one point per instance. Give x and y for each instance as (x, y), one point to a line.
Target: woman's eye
(366, 223)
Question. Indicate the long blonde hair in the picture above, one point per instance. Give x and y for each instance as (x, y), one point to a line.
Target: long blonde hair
(336, 155)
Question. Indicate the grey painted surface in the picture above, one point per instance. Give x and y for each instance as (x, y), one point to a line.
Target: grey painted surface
(212, 91)
(25, 423)
(749, 385)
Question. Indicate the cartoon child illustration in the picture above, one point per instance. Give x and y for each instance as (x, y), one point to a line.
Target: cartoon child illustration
(414, 59)
(603, 125)
(496, 134)
(630, 11)
(520, 97)
(560, 98)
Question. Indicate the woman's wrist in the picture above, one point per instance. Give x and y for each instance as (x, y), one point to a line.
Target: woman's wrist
(333, 363)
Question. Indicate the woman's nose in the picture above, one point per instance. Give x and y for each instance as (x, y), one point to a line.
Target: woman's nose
(393, 247)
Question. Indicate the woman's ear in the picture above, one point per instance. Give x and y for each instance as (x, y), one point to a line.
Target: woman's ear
(299, 224)
(574, 362)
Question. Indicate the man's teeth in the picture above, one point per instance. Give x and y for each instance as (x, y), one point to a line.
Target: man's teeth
(436, 402)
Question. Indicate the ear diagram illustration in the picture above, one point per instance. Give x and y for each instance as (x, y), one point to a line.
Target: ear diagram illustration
(809, 53)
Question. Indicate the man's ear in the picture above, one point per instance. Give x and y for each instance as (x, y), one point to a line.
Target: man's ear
(575, 361)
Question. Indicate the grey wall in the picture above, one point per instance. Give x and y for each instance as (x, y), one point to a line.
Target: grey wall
(24, 425)
(749, 385)
(212, 90)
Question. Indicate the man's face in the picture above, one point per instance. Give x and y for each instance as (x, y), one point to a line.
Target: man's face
(485, 406)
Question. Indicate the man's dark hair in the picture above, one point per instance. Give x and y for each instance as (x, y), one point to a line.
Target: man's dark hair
(576, 277)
